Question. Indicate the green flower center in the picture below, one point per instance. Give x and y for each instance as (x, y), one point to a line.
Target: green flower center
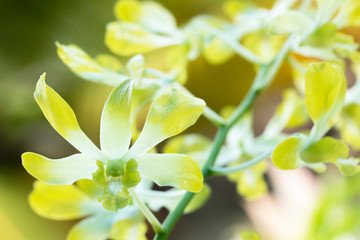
(115, 181)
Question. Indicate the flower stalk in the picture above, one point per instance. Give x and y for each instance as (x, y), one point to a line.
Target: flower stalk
(265, 75)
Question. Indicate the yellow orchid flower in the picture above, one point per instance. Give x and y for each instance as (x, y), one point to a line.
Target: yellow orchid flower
(116, 167)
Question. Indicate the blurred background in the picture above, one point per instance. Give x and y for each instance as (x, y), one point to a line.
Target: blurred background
(29, 29)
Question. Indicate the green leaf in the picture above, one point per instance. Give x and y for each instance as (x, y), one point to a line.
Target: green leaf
(348, 167)
(286, 154)
(327, 149)
(325, 88)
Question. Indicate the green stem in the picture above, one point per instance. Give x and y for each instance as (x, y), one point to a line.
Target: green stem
(175, 215)
(216, 171)
(213, 117)
(147, 213)
(263, 78)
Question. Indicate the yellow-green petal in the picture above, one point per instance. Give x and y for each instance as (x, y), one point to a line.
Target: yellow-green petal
(216, 51)
(170, 199)
(325, 88)
(349, 15)
(170, 114)
(327, 9)
(127, 39)
(115, 132)
(61, 202)
(291, 113)
(327, 149)
(129, 229)
(110, 62)
(262, 44)
(286, 154)
(177, 59)
(149, 14)
(136, 67)
(348, 167)
(195, 146)
(290, 22)
(249, 236)
(233, 7)
(87, 68)
(62, 118)
(199, 199)
(175, 170)
(250, 183)
(92, 228)
(63, 171)
(349, 125)
(89, 188)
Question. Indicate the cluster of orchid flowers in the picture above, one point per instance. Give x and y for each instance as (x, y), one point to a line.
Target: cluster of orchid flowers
(114, 187)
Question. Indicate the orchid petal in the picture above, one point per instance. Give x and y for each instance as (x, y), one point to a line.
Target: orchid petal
(93, 228)
(130, 229)
(63, 171)
(87, 68)
(115, 132)
(61, 202)
(175, 170)
(127, 39)
(62, 118)
(151, 15)
(170, 114)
